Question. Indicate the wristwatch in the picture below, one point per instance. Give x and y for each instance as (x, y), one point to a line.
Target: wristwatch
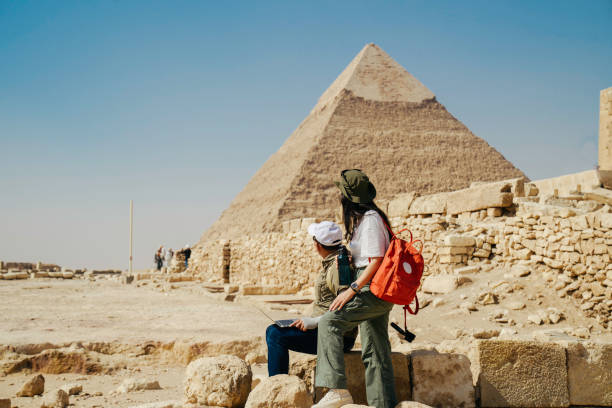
(355, 287)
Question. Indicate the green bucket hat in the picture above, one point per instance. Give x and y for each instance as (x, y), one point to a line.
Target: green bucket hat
(356, 186)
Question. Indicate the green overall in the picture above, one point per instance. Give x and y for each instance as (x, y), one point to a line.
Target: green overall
(372, 316)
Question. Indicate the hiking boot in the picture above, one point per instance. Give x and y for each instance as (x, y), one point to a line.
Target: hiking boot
(335, 398)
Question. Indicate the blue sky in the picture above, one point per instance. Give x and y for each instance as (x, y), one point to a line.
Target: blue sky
(177, 104)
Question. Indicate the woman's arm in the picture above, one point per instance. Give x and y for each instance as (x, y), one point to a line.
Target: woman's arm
(364, 279)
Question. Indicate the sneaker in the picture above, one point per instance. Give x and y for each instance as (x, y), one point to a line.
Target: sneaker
(335, 398)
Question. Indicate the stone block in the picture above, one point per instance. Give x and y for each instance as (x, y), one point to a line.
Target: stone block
(355, 374)
(522, 374)
(452, 250)
(5, 403)
(517, 185)
(400, 205)
(479, 198)
(442, 380)
(590, 373)
(459, 241)
(440, 284)
(451, 259)
(429, 204)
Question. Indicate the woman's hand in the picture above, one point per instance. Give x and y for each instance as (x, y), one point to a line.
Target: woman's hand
(342, 299)
(299, 323)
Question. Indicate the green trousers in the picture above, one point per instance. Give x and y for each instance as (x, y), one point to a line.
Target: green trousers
(372, 316)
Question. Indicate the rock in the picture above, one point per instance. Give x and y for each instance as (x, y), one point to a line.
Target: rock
(440, 284)
(519, 271)
(438, 302)
(304, 368)
(468, 306)
(256, 380)
(467, 270)
(554, 315)
(34, 386)
(400, 205)
(56, 399)
(429, 204)
(254, 357)
(411, 404)
(5, 403)
(355, 374)
(442, 380)
(72, 389)
(485, 334)
(280, 391)
(459, 241)
(161, 404)
(535, 319)
(222, 381)
(516, 305)
(479, 198)
(357, 406)
(487, 298)
(522, 374)
(137, 384)
(590, 373)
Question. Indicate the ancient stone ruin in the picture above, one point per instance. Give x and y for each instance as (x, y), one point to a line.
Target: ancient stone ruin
(376, 117)
(516, 298)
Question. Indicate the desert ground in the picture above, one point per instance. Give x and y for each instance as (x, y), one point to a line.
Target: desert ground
(133, 331)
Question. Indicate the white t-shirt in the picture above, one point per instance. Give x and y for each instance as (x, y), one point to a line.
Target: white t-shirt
(370, 239)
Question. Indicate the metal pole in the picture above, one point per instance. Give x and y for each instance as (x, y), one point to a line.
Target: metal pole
(131, 232)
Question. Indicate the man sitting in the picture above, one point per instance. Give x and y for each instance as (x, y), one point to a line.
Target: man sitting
(301, 336)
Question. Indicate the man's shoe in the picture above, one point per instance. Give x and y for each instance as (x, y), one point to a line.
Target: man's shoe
(335, 398)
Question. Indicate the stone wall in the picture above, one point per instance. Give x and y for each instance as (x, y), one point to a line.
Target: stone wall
(605, 137)
(568, 241)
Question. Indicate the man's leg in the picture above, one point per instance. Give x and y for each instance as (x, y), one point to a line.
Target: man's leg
(376, 356)
(282, 339)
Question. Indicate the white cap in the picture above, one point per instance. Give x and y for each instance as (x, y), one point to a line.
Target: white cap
(327, 233)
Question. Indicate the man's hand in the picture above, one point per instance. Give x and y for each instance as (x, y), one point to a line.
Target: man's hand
(342, 299)
(299, 323)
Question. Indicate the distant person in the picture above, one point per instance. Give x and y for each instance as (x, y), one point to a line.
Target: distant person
(187, 252)
(159, 261)
(302, 335)
(168, 258)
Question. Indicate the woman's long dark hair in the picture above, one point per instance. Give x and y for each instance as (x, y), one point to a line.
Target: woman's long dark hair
(352, 213)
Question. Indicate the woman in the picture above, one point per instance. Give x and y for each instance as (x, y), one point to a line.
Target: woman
(366, 230)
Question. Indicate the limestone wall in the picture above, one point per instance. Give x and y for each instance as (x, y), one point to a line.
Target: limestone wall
(568, 241)
(605, 137)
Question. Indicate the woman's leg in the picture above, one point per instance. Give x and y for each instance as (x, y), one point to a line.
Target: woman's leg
(376, 356)
(282, 339)
(330, 344)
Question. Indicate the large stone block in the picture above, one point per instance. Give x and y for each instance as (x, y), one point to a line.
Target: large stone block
(522, 374)
(517, 185)
(605, 130)
(400, 205)
(590, 373)
(442, 380)
(355, 374)
(479, 198)
(440, 284)
(429, 204)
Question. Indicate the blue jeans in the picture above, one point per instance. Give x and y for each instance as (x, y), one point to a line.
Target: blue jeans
(282, 339)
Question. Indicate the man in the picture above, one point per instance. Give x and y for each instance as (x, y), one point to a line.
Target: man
(301, 336)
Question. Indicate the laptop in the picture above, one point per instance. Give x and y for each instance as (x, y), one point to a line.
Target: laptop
(279, 323)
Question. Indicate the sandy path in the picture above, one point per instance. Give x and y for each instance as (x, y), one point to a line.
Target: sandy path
(37, 311)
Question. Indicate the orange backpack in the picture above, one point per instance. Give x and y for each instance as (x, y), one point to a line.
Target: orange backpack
(399, 276)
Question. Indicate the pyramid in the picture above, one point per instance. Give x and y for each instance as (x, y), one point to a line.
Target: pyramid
(376, 117)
